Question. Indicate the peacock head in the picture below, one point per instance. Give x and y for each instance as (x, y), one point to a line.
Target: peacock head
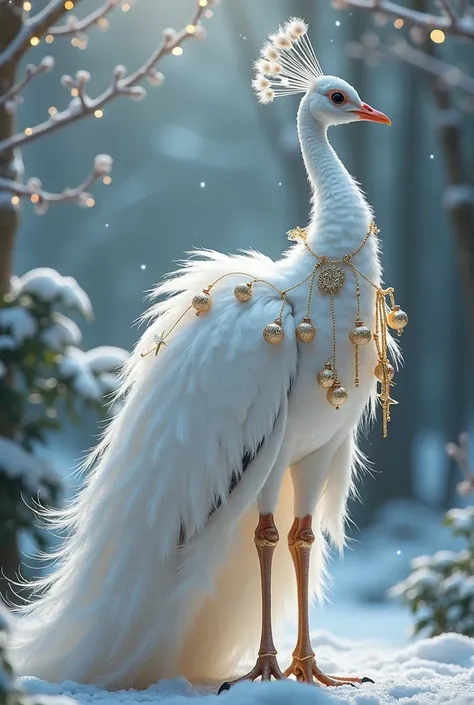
(288, 65)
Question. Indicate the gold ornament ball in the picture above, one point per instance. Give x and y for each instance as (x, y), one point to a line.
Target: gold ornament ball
(360, 334)
(337, 395)
(243, 292)
(305, 331)
(326, 377)
(397, 319)
(273, 333)
(389, 371)
(202, 302)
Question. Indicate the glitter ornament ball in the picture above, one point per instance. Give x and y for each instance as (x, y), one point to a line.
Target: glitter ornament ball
(379, 371)
(360, 334)
(397, 319)
(243, 292)
(326, 377)
(273, 333)
(305, 331)
(337, 395)
(202, 302)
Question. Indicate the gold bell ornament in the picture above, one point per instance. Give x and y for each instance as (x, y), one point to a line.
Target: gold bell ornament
(273, 333)
(305, 331)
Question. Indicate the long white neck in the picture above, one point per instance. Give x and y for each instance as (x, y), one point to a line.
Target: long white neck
(340, 214)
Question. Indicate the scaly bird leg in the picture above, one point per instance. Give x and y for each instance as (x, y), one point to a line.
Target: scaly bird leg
(266, 538)
(303, 666)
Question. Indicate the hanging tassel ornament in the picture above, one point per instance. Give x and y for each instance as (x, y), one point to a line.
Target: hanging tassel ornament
(330, 277)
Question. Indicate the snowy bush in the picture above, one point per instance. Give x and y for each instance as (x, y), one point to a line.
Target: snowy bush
(440, 590)
(43, 371)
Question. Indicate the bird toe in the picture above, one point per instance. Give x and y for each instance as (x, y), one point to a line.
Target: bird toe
(225, 686)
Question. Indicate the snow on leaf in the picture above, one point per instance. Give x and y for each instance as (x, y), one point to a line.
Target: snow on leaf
(106, 358)
(7, 342)
(43, 282)
(444, 559)
(62, 333)
(19, 321)
(48, 285)
(461, 519)
(15, 461)
(74, 296)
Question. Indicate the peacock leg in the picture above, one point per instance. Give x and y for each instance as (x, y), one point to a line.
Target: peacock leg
(303, 665)
(266, 538)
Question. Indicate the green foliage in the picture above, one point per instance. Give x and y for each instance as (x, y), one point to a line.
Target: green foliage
(440, 590)
(45, 378)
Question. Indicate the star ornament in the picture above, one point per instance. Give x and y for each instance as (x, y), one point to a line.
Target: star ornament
(159, 341)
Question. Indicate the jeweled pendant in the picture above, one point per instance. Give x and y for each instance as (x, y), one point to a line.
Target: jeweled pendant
(273, 333)
(331, 279)
(379, 371)
(243, 292)
(202, 302)
(360, 334)
(397, 319)
(305, 331)
(326, 377)
(337, 395)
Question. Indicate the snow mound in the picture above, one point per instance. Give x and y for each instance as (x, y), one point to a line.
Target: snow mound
(19, 321)
(15, 461)
(48, 285)
(91, 371)
(429, 672)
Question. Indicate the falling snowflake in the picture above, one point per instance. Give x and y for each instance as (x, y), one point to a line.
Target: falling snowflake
(203, 184)
(143, 266)
(338, 24)
(431, 156)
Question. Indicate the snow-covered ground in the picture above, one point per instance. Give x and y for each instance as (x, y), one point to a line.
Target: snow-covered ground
(433, 671)
(359, 632)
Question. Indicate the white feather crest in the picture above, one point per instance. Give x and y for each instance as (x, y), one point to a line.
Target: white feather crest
(287, 63)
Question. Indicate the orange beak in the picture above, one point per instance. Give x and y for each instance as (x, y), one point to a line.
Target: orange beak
(368, 113)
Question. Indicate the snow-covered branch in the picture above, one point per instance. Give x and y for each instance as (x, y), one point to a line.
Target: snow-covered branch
(121, 84)
(41, 198)
(451, 22)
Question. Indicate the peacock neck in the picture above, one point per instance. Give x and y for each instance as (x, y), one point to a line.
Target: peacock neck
(340, 214)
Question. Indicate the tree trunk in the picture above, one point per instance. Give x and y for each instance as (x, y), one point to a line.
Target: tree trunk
(11, 20)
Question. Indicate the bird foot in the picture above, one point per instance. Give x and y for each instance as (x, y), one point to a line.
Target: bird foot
(266, 668)
(305, 670)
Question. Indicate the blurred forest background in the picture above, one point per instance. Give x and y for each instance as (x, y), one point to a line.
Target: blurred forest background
(200, 164)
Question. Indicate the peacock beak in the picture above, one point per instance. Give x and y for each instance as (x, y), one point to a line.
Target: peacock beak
(368, 113)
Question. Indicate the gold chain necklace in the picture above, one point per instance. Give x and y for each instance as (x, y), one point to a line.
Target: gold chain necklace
(331, 276)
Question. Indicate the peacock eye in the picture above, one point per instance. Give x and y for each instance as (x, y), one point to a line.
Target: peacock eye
(338, 98)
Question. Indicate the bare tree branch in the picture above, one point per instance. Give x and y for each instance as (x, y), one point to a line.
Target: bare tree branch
(83, 105)
(462, 26)
(45, 65)
(73, 25)
(449, 75)
(459, 452)
(36, 26)
(41, 198)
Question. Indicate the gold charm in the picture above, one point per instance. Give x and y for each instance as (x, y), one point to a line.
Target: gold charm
(360, 334)
(331, 279)
(337, 395)
(243, 292)
(273, 333)
(384, 371)
(326, 377)
(202, 302)
(305, 331)
(397, 319)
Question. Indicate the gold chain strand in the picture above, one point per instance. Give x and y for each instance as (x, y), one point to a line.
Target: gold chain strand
(333, 316)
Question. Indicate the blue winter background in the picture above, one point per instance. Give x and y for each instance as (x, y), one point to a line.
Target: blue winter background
(200, 164)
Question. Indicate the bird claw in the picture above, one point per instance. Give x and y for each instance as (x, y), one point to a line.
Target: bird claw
(306, 671)
(265, 668)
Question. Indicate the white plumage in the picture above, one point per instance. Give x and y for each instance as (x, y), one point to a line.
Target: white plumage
(158, 576)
